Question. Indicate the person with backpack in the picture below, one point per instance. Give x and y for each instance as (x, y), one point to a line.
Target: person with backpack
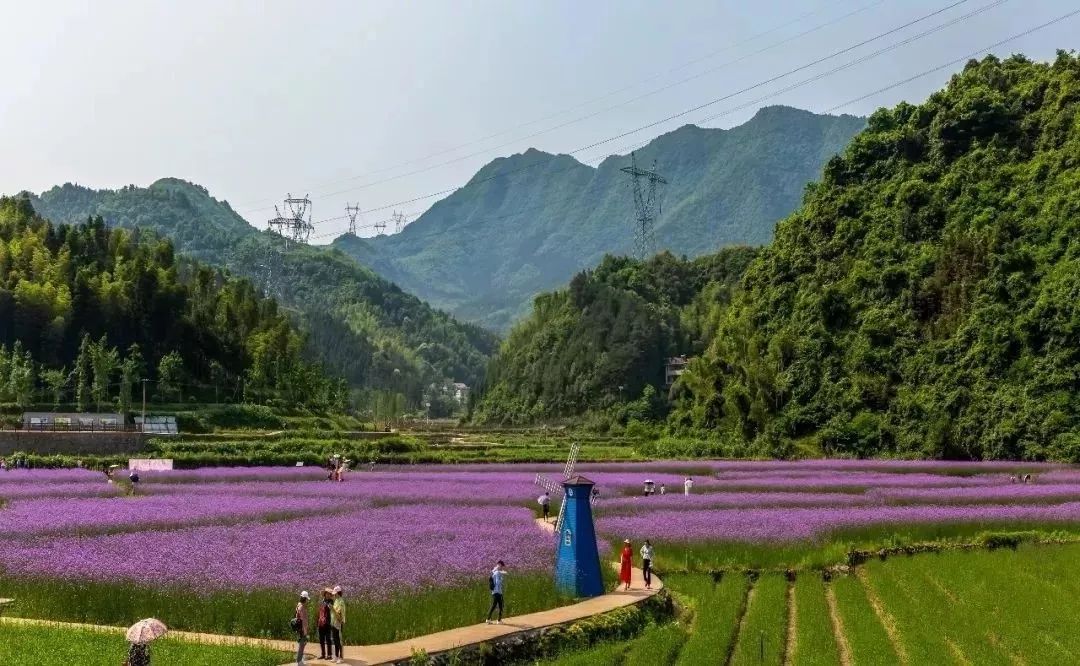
(337, 622)
(299, 624)
(495, 583)
(323, 619)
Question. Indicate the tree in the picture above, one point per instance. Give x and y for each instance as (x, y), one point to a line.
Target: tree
(56, 382)
(170, 373)
(130, 372)
(82, 373)
(104, 360)
(21, 376)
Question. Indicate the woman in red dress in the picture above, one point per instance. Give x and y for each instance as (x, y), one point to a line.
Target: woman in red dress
(627, 557)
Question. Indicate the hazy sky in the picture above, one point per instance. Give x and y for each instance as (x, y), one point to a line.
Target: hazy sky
(256, 99)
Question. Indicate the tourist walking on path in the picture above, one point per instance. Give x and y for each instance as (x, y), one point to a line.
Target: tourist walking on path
(322, 624)
(663, 489)
(496, 585)
(300, 626)
(646, 563)
(337, 622)
(545, 504)
(626, 564)
(687, 485)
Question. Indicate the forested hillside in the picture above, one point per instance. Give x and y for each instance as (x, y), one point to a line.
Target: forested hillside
(602, 342)
(925, 299)
(356, 322)
(87, 312)
(527, 223)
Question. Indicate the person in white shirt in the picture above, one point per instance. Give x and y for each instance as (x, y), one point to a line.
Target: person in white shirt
(646, 563)
(662, 489)
(545, 504)
(687, 485)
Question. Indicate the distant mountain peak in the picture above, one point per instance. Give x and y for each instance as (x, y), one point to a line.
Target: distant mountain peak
(484, 251)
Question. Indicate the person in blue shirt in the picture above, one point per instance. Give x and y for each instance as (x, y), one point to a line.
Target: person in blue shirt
(497, 575)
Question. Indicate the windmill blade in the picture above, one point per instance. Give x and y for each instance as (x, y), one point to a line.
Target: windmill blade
(568, 471)
(548, 485)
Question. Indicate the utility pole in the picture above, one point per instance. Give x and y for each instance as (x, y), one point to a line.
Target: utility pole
(648, 189)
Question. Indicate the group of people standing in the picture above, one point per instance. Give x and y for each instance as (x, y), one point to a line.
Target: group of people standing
(336, 466)
(329, 622)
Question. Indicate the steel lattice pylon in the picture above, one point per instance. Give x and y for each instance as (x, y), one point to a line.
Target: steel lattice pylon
(648, 189)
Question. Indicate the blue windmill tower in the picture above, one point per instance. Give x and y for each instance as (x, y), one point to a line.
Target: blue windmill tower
(577, 560)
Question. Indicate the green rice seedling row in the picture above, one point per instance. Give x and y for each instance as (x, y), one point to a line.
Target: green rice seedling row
(717, 609)
(762, 633)
(814, 643)
(865, 635)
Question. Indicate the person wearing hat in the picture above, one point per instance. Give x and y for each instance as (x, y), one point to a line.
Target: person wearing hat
(300, 624)
(322, 623)
(626, 563)
(337, 622)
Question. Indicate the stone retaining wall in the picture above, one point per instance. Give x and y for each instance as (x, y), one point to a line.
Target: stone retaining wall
(70, 443)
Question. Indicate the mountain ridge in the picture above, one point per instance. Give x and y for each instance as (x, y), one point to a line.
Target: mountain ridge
(527, 222)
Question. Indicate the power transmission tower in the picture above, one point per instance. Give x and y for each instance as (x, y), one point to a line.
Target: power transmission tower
(295, 224)
(353, 211)
(648, 190)
(399, 220)
(380, 227)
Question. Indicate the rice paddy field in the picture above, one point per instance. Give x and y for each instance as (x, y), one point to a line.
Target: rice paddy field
(769, 562)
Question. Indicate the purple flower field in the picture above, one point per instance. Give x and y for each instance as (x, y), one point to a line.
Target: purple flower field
(407, 528)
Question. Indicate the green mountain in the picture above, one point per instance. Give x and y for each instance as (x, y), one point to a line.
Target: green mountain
(86, 312)
(358, 323)
(925, 299)
(603, 341)
(529, 222)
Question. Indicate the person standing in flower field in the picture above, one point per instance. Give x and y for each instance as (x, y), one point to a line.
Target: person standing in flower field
(299, 624)
(662, 489)
(495, 582)
(687, 485)
(545, 504)
(322, 624)
(337, 622)
(646, 563)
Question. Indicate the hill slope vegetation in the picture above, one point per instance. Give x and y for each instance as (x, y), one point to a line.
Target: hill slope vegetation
(924, 298)
(86, 312)
(358, 323)
(603, 341)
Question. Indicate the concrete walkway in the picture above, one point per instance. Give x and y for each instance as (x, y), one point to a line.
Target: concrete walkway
(367, 655)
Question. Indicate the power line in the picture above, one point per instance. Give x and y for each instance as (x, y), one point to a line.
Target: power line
(604, 110)
(699, 107)
(612, 93)
(954, 63)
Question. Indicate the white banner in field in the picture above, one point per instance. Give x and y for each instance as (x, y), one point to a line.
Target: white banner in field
(149, 464)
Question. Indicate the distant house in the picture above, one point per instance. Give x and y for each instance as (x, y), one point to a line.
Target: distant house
(72, 421)
(673, 367)
(461, 392)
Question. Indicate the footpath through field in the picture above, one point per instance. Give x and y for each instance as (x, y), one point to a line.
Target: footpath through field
(367, 655)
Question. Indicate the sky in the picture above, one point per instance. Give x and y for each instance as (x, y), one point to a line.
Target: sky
(386, 103)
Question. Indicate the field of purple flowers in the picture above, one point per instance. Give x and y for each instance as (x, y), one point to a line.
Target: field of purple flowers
(215, 538)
